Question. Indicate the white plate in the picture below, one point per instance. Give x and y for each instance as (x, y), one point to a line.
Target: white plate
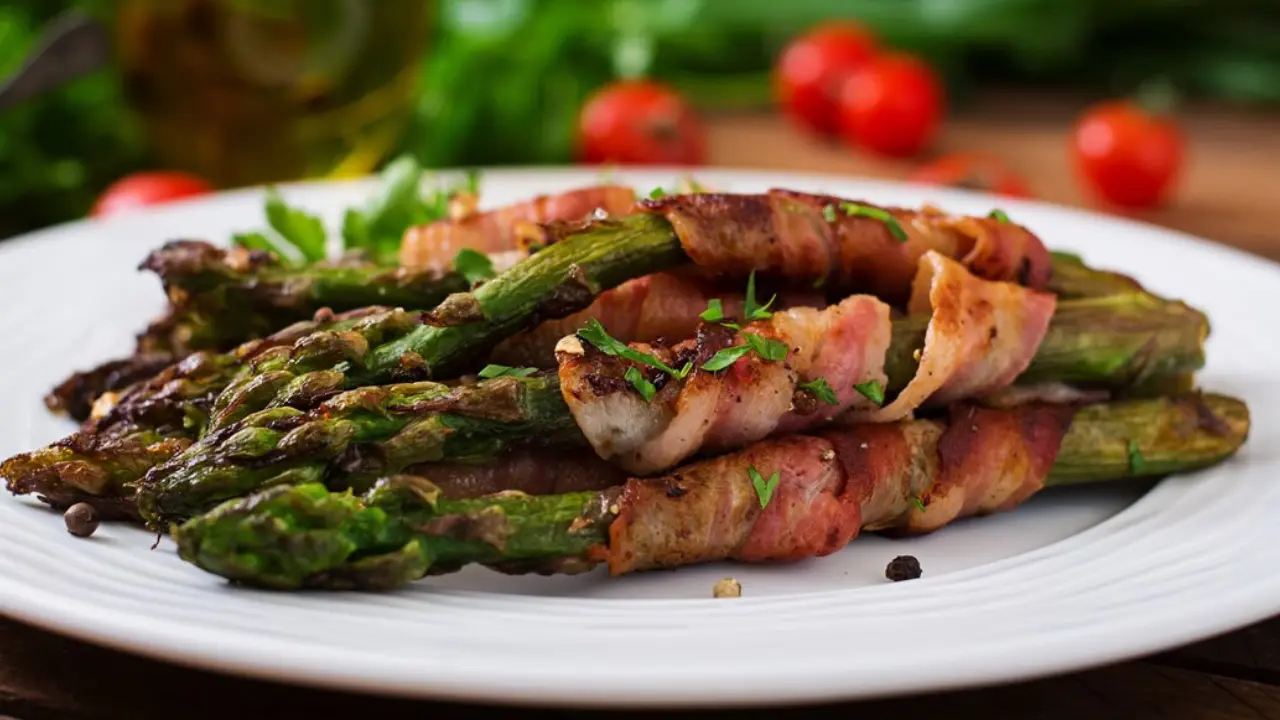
(1074, 578)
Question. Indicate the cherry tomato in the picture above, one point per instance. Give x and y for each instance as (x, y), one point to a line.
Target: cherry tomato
(811, 69)
(1126, 155)
(640, 122)
(892, 105)
(973, 171)
(147, 188)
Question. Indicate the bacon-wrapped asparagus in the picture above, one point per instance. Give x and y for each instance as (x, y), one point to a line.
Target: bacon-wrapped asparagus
(780, 500)
(361, 434)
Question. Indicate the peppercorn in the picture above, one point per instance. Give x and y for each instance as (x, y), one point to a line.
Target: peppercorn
(903, 567)
(81, 519)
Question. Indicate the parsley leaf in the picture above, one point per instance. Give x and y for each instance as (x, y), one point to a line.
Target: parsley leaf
(829, 213)
(473, 265)
(918, 502)
(895, 229)
(1137, 463)
(725, 358)
(771, 350)
(752, 310)
(494, 371)
(397, 205)
(871, 390)
(270, 243)
(657, 193)
(642, 385)
(594, 333)
(714, 311)
(764, 489)
(297, 227)
(821, 390)
(998, 215)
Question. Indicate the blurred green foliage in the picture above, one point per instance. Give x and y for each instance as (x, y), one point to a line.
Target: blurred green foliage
(503, 80)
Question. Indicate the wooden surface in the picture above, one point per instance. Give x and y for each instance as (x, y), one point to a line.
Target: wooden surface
(1229, 194)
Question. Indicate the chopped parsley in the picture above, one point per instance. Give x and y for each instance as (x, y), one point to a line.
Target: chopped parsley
(771, 350)
(473, 265)
(657, 193)
(751, 309)
(918, 502)
(829, 213)
(764, 488)
(642, 385)
(595, 334)
(871, 390)
(496, 371)
(821, 389)
(1137, 463)
(714, 311)
(895, 228)
(998, 215)
(725, 358)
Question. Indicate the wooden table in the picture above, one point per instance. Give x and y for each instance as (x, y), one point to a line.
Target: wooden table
(1229, 194)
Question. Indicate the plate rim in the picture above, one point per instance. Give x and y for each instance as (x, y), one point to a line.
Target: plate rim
(44, 617)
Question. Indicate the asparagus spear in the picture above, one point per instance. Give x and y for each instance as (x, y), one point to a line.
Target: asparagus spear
(402, 529)
(1110, 342)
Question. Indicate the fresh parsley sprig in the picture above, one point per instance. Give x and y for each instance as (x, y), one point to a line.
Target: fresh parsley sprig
(854, 210)
(871, 390)
(595, 333)
(473, 265)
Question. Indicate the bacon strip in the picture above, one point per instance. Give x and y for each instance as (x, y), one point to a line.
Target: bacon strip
(982, 335)
(646, 309)
(844, 344)
(434, 245)
(835, 484)
(788, 234)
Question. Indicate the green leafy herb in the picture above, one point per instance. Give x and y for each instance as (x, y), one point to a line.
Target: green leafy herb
(998, 215)
(829, 213)
(657, 193)
(725, 358)
(895, 229)
(397, 205)
(270, 243)
(918, 502)
(751, 309)
(595, 334)
(1137, 463)
(640, 383)
(821, 390)
(473, 265)
(296, 227)
(714, 311)
(771, 350)
(871, 390)
(694, 185)
(764, 489)
(494, 371)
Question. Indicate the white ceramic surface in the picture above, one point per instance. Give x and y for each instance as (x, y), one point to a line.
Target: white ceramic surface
(1074, 578)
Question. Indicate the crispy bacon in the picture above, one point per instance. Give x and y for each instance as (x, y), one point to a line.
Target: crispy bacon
(981, 336)
(795, 236)
(435, 245)
(646, 309)
(533, 471)
(834, 484)
(754, 397)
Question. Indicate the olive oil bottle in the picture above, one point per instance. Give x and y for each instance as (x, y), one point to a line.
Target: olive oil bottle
(257, 91)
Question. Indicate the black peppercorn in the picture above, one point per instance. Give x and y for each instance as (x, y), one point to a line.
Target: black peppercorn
(81, 519)
(903, 567)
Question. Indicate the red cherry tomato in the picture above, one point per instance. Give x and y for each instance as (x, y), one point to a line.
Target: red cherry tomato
(640, 122)
(892, 105)
(973, 171)
(811, 69)
(1127, 156)
(147, 188)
